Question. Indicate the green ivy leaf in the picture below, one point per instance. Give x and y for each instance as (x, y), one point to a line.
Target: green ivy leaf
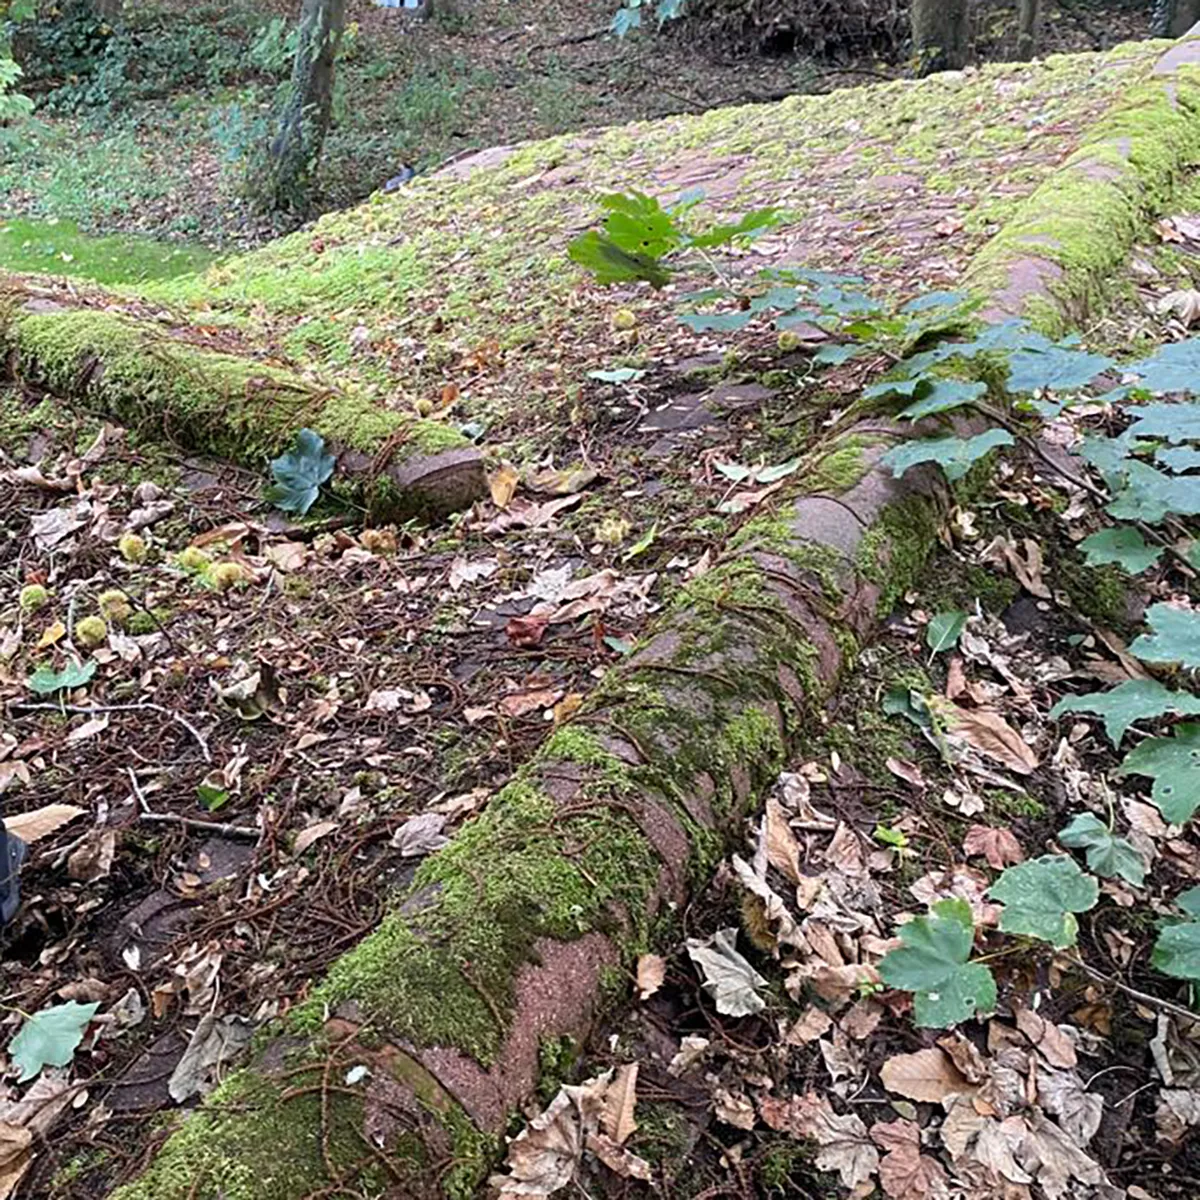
(1175, 636)
(1057, 367)
(944, 396)
(915, 387)
(1177, 951)
(45, 682)
(944, 630)
(1110, 456)
(1106, 855)
(1133, 700)
(610, 264)
(1171, 422)
(49, 1038)
(932, 963)
(1123, 546)
(954, 455)
(1174, 765)
(299, 473)
(1173, 368)
(1042, 896)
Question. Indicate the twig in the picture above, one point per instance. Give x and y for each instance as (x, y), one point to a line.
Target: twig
(215, 827)
(92, 709)
(572, 39)
(1174, 1009)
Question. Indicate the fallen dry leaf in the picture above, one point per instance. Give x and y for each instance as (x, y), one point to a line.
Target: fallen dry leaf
(783, 851)
(94, 859)
(998, 846)
(904, 1172)
(620, 1099)
(519, 704)
(651, 971)
(617, 1158)
(1178, 1111)
(312, 833)
(814, 1023)
(926, 1075)
(1054, 1045)
(1063, 1095)
(843, 1143)
(42, 822)
(503, 484)
(992, 736)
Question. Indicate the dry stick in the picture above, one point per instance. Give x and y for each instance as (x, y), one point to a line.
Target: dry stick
(92, 709)
(214, 827)
(1169, 1006)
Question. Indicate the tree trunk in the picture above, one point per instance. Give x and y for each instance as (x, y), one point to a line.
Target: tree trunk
(1183, 15)
(295, 149)
(940, 31)
(1029, 28)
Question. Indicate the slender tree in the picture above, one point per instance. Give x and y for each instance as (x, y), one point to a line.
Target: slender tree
(940, 31)
(1028, 27)
(285, 175)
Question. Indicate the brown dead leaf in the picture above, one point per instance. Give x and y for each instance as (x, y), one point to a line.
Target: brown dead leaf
(519, 704)
(814, 1023)
(651, 971)
(961, 1126)
(88, 729)
(286, 557)
(15, 1156)
(1063, 1095)
(543, 1157)
(904, 1172)
(1054, 1045)
(312, 833)
(94, 859)
(965, 1055)
(1178, 1111)
(926, 1075)
(32, 826)
(620, 1099)
(617, 1158)
(908, 771)
(844, 1145)
(998, 846)
(783, 851)
(524, 514)
(503, 484)
(526, 631)
(993, 737)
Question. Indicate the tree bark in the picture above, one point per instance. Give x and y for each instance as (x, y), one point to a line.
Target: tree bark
(940, 30)
(1029, 28)
(295, 149)
(1183, 15)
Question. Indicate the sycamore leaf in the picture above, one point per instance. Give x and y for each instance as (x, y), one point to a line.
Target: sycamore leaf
(728, 977)
(945, 395)
(954, 455)
(50, 1037)
(46, 682)
(299, 473)
(1144, 493)
(1123, 546)
(1057, 367)
(1174, 765)
(932, 963)
(1177, 951)
(1179, 458)
(1133, 700)
(1107, 855)
(1189, 902)
(610, 264)
(944, 630)
(1042, 896)
(1175, 636)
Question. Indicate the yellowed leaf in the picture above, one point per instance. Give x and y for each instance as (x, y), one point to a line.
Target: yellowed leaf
(53, 633)
(32, 826)
(926, 1075)
(503, 484)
